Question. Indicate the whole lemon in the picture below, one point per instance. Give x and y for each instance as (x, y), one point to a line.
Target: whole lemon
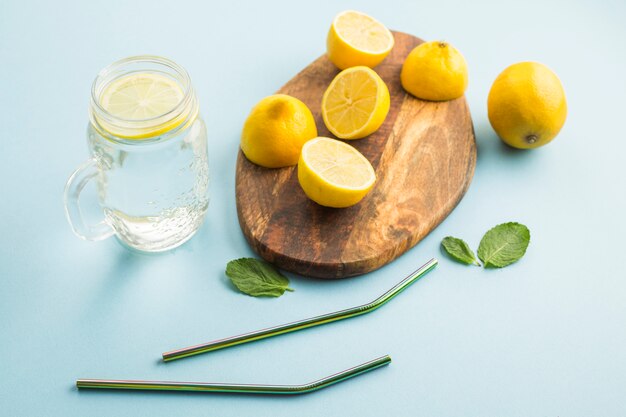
(275, 131)
(526, 105)
(434, 71)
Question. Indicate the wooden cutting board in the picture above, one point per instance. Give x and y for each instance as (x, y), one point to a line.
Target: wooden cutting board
(424, 156)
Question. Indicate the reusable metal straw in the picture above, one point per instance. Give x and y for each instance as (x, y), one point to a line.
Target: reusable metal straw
(302, 324)
(239, 388)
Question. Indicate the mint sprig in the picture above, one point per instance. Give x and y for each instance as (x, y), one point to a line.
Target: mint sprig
(459, 250)
(501, 246)
(257, 278)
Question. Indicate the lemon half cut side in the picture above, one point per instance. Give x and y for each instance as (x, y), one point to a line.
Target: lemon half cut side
(356, 103)
(356, 39)
(333, 173)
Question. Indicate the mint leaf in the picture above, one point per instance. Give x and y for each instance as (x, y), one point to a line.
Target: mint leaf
(504, 244)
(257, 278)
(458, 250)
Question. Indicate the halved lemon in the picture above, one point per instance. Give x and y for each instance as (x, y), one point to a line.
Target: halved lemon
(333, 173)
(355, 39)
(139, 100)
(355, 103)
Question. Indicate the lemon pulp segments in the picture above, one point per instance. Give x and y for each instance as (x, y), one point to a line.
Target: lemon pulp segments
(363, 32)
(339, 163)
(140, 97)
(356, 39)
(333, 173)
(356, 103)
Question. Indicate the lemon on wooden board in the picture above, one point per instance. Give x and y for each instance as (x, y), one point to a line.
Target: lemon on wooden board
(140, 100)
(355, 39)
(435, 71)
(275, 130)
(355, 103)
(526, 105)
(333, 173)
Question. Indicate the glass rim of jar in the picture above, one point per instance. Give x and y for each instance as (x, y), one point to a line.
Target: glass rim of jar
(149, 130)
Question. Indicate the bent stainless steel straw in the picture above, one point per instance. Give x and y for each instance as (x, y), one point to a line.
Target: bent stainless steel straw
(238, 388)
(302, 324)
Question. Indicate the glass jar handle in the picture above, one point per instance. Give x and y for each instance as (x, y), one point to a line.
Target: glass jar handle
(75, 185)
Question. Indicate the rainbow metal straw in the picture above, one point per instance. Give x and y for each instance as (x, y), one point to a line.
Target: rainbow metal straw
(239, 388)
(302, 324)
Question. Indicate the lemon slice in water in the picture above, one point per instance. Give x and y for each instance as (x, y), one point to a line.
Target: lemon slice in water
(140, 100)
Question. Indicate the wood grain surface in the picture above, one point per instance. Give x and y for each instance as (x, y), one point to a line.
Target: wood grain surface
(424, 155)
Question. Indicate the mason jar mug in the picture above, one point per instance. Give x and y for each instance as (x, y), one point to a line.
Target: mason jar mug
(148, 156)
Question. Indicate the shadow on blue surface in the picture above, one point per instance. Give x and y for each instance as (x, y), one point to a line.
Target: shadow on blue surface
(488, 142)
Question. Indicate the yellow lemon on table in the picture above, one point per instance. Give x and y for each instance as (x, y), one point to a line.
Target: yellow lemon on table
(526, 105)
(275, 130)
(435, 71)
(143, 100)
(333, 173)
(356, 103)
(355, 39)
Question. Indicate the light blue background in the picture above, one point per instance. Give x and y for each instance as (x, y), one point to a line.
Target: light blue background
(544, 337)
